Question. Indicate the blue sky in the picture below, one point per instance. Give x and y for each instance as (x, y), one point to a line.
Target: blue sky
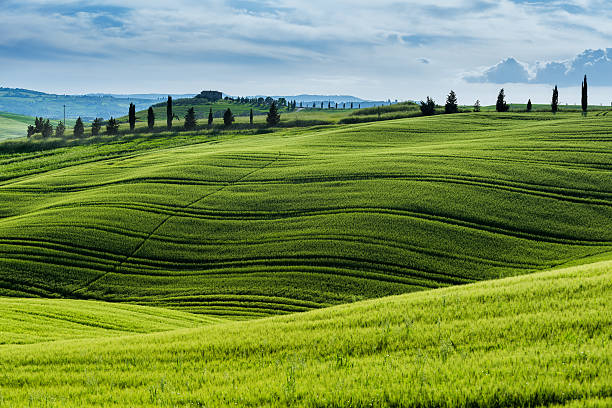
(374, 49)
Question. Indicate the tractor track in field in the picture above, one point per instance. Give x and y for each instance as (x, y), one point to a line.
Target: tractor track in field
(145, 240)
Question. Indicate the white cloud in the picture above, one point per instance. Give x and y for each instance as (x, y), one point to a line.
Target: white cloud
(373, 49)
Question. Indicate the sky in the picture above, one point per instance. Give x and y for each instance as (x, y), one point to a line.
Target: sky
(378, 50)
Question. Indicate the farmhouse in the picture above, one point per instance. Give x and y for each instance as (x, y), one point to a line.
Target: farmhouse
(210, 95)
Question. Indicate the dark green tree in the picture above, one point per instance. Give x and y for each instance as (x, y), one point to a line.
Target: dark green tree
(585, 97)
(79, 128)
(132, 116)
(96, 125)
(210, 118)
(529, 106)
(31, 130)
(428, 108)
(151, 118)
(38, 124)
(451, 103)
(169, 114)
(273, 118)
(190, 119)
(501, 105)
(555, 100)
(251, 117)
(228, 117)
(112, 127)
(47, 128)
(60, 129)
(477, 106)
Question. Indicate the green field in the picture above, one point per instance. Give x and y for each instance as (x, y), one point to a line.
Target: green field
(454, 260)
(12, 125)
(15, 126)
(531, 341)
(35, 320)
(253, 224)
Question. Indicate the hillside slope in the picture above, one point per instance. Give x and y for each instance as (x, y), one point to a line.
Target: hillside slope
(257, 224)
(24, 321)
(536, 340)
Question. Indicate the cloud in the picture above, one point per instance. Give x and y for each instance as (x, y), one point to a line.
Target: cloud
(596, 64)
(506, 71)
(372, 49)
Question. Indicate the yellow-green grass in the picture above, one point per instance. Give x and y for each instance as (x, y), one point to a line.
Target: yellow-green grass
(259, 224)
(531, 341)
(28, 320)
(13, 125)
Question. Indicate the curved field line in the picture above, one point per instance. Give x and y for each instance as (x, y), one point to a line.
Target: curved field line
(347, 265)
(97, 254)
(348, 238)
(593, 197)
(270, 215)
(236, 298)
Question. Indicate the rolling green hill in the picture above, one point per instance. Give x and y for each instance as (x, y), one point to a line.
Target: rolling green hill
(253, 224)
(28, 320)
(12, 125)
(541, 340)
(15, 126)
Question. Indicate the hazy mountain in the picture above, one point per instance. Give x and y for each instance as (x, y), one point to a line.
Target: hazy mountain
(151, 96)
(34, 103)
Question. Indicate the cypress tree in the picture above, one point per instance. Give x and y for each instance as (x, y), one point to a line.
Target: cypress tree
(501, 105)
(273, 118)
(529, 105)
(210, 118)
(31, 130)
(190, 119)
(251, 117)
(60, 129)
(79, 129)
(228, 117)
(451, 103)
(585, 97)
(151, 118)
(132, 116)
(112, 127)
(96, 125)
(169, 114)
(428, 108)
(555, 100)
(38, 124)
(47, 128)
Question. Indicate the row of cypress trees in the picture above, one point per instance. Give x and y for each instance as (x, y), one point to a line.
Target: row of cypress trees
(428, 107)
(191, 123)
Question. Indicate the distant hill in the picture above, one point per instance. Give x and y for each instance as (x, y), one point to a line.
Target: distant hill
(314, 98)
(34, 103)
(13, 125)
(90, 106)
(151, 96)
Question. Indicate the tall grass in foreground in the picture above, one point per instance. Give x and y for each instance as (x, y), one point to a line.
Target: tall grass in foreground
(530, 341)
